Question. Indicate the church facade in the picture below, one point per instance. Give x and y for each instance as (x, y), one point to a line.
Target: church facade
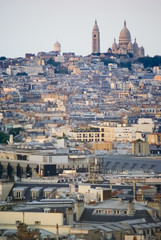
(124, 46)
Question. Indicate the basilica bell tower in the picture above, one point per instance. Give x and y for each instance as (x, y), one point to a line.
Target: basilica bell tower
(95, 39)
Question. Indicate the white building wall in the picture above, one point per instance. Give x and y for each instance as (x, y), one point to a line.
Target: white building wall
(30, 218)
(36, 158)
(144, 125)
(124, 133)
(84, 188)
(60, 159)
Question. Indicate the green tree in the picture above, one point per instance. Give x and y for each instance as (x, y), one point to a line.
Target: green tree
(21, 74)
(3, 138)
(125, 65)
(150, 61)
(53, 63)
(107, 61)
(61, 70)
(2, 58)
(15, 131)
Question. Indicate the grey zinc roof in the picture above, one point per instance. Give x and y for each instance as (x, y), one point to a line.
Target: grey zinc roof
(112, 204)
(88, 216)
(19, 188)
(36, 189)
(136, 226)
(120, 204)
(122, 226)
(49, 189)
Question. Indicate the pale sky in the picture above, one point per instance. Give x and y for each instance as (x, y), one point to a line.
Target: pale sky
(31, 26)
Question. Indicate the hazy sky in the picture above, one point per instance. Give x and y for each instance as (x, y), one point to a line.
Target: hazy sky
(31, 26)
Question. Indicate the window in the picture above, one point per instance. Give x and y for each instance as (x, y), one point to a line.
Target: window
(79, 135)
(47, 194)
(50, 159)
(18, 194)
(37, 222)
(139, 147)
(34, 195)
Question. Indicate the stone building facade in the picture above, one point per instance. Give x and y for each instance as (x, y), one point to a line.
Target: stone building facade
(95, 39)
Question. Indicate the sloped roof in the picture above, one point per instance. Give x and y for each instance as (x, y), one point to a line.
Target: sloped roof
(88, 216)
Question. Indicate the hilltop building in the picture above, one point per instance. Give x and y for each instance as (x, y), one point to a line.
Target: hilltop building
(95, 39)
(57, 47)
(125, 45)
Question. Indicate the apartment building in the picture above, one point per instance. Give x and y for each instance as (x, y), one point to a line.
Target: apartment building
(109, 132)
(112, 131)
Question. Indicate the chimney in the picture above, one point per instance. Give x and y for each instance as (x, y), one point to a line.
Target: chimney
(69, 216)
(134, 189)
(121, 202)
(79, 208)
(130, 207)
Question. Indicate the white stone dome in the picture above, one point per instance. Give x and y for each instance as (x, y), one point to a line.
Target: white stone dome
(135, 45)
(130, 45)
(114, 45)
(125, 36)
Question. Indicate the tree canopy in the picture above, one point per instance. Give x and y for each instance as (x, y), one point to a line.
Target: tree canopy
(21, 74)
(15, 131)
(150, 61)
(53, 63)
(3, 138)
(2, 58)
(107, 61)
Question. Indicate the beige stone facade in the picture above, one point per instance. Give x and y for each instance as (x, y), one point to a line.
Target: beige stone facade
(108, 132)
(125, 46)
(95, 39)
(102, 146)
(154, 138)
(96, 134)
(140, 148)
